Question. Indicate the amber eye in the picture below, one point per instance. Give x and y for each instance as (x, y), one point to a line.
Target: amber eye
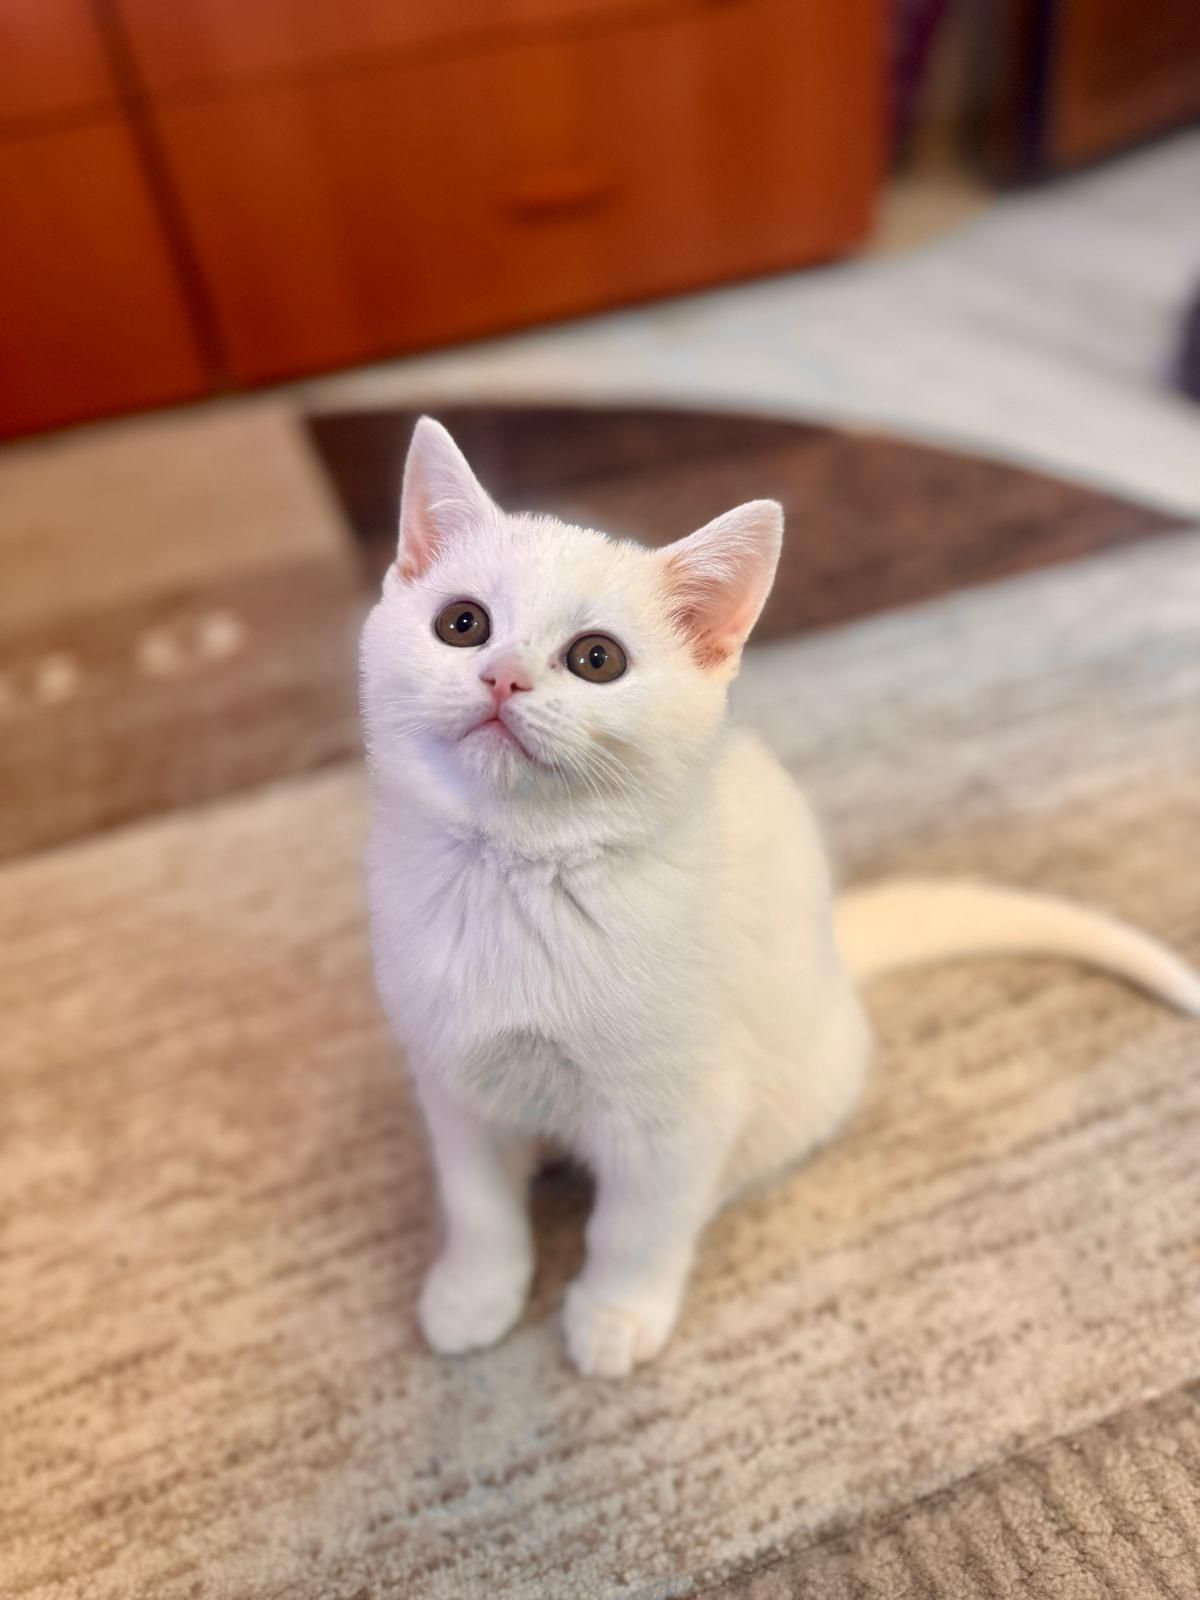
(463, 622)
(597, 658)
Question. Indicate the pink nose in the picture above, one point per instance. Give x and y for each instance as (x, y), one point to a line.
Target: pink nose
(506, 678)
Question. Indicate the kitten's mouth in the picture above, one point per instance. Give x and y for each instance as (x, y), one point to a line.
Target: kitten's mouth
(496, 726)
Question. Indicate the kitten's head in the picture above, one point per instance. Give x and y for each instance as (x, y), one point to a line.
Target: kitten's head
(514, 662)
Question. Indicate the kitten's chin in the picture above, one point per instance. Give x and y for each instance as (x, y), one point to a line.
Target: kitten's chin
(494, 759)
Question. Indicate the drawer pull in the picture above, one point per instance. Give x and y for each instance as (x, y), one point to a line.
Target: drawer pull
(561, 192)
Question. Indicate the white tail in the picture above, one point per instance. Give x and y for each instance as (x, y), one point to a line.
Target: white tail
(912, 922)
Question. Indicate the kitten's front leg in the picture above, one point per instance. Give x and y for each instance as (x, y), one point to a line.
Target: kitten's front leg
(654, 1195)
(477, 1287)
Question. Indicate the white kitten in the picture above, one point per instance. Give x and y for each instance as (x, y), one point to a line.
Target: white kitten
(602, 918)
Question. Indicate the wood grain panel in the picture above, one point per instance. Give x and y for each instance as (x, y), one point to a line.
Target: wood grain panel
(1058, 83)
(1121, 72)
(53, 60)
(391, 210)
(192, 42)
(91, 317)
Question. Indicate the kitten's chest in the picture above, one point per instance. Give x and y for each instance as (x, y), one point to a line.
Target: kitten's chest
(472, 950)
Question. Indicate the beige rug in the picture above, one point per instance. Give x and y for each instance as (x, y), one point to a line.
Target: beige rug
(950, 1357)
(178, 609)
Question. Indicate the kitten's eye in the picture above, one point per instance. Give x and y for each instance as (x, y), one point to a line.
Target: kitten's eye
(463, 622)
(597, 658)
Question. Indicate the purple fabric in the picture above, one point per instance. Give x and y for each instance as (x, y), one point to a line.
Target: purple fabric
(914, 25)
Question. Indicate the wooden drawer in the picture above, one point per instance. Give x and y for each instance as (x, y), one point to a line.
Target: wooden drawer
(343, 219)
(52, 59)
(190, 42)
(1121, 72)
(91, 319)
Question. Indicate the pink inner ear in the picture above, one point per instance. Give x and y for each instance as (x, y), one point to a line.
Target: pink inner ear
(416, 552)
(420, 536)
(702, 610)
(440, 496)
(719, 577)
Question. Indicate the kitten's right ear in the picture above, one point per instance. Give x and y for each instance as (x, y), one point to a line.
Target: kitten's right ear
(440, 495)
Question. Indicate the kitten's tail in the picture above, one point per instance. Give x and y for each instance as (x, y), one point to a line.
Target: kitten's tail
(912, 922)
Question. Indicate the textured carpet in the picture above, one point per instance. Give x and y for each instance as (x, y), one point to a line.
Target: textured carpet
(1110, 1511)
(950, 1357)
(178, 610)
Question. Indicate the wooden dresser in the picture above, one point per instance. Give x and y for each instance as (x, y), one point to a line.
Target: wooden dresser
(263, 188)
(1060, 83)
(92, 315)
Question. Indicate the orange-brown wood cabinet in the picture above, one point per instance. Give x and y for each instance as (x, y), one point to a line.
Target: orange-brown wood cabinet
(92, 316)
(327, 183)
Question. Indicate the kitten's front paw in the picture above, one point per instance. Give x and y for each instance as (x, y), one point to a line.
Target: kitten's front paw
(469, 1303)
(607, 1339)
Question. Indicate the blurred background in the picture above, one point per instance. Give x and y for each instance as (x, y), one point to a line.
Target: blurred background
(928, 272)
(215, 194)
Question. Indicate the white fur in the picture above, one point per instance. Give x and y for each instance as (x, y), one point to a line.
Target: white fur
(909, 923)
(619, 939)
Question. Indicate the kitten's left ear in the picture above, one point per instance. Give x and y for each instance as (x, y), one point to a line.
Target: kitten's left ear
(441, 494)
(718, 578)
